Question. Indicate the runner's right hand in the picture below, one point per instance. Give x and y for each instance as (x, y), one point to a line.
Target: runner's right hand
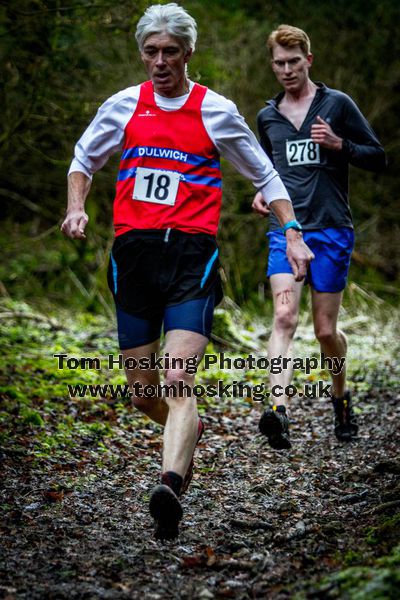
(259, 206)
(74, 224)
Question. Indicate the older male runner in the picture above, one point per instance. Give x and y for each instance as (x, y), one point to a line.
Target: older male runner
(312, 134)
(164, 261)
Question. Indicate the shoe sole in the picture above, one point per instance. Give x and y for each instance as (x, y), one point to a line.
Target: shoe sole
(166, 510)
(346, 436)
(271, 427)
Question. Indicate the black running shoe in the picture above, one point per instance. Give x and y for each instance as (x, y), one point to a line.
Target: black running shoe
(166, 510)
(346, 427)
(275, 425)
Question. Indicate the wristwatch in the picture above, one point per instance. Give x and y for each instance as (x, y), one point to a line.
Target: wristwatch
(291, 225)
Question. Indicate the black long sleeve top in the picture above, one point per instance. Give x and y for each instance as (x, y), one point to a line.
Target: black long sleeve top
(315, 177)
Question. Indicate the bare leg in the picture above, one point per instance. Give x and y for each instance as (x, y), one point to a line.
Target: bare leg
(155, 408)
(286, 297)
(180, 432)
(178, 414)
(332, 341)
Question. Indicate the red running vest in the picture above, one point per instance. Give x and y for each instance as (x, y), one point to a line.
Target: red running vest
(169, 173)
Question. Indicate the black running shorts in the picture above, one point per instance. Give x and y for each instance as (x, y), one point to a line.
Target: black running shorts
(150, 270)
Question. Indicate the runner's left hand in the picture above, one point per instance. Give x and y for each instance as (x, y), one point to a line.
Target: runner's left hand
(322, 134)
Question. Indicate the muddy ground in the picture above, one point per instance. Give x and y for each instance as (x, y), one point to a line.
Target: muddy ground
(319, 521)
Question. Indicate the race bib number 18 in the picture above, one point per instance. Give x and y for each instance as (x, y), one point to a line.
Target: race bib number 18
(154, 185)
(302, 152)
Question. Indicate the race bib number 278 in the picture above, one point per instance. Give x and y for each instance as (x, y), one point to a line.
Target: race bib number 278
(302, 152)
(155, 185)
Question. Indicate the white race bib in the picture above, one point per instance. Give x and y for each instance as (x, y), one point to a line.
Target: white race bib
(155, 185)
(302, 152)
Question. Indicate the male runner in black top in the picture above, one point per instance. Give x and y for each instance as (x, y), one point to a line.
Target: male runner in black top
(312, 134)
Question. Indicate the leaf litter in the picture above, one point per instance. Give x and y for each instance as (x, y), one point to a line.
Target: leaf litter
(319, 521)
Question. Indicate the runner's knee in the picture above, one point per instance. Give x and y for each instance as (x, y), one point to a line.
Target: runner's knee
(174, 376)
(326, 333)
(285, 318)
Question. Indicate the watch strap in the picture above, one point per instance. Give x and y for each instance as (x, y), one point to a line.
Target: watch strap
(291, 225)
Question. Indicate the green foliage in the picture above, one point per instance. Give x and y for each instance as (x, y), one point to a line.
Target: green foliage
(359, 583)
(58, 64)
(47, 268)
(352, 557)
(31, 417)
(35, 403)
(388, 531)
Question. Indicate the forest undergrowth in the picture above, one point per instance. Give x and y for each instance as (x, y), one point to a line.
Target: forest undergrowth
(319, 521)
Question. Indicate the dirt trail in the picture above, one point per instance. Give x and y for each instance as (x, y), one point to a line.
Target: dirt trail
(258, 523)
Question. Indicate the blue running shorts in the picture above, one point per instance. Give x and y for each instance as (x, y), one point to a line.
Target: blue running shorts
(332, 248)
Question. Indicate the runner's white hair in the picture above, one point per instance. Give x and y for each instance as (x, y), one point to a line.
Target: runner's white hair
(167, 18)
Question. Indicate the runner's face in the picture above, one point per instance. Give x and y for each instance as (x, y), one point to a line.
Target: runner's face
(291, 67)
(165, 61)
